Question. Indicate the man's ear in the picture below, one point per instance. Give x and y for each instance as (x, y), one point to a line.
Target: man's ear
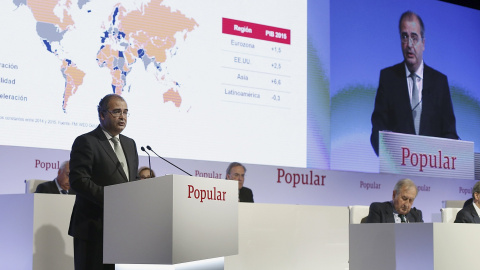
(394, 193)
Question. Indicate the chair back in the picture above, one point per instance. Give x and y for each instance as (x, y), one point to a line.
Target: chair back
(358, 213)
(31, 184)
(449, 214)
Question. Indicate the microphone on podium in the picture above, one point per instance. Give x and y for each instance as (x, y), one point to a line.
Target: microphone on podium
(149, 165)
(149, 148)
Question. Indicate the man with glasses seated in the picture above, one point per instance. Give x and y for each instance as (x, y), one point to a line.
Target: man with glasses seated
(236, 171)
(412, 97)
(100, 158)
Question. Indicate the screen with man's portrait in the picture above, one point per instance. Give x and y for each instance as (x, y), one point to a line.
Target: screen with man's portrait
(365, 39)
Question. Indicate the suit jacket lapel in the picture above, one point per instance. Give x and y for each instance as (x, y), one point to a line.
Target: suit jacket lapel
(426, 92)
(404, 97)
(411, 217)
(128, 157)
(389, 213)
(473, 212)
(103, 141)
(402, 85)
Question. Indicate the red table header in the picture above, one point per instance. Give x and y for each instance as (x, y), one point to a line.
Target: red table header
(256, 31)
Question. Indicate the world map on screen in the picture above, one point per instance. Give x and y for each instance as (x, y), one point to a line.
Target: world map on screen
(148, 32)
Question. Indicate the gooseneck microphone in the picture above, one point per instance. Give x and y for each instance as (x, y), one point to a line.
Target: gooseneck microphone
(149, 165)
(149, 148)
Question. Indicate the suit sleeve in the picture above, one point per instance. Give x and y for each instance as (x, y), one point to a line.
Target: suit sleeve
(379, 115)
(41, 189)
(418, 214)
(374, 214)
(81, 169)
(462, 217)
(250, 195)
(449, 129)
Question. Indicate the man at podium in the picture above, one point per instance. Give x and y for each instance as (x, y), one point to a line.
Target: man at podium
(412, 97)
(236, 171)
(469, 212)
(99, 158)
(399, 209)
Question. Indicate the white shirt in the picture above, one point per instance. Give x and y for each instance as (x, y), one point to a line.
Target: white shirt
(60, 188)
(395, 214)
(476, 208)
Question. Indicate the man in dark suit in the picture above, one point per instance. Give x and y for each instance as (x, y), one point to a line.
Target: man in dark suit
(99, 158)
(59, 185)
(412, 97)
(236, 171)
(469, 212)
(399, 209)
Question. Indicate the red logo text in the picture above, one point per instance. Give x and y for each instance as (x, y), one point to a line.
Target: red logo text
(300, 178)
(423, 160)
(204, 194)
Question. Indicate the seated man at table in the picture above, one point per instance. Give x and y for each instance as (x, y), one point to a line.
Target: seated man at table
(469, 212)
(59, 185)
(399, 209)
(236, 171)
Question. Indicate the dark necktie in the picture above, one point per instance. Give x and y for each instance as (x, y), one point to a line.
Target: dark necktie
(63, 191)
(402, 218)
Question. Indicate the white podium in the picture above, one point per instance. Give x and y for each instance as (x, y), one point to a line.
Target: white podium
(170, 220)
(34, 231)
(414, 246)
(426, 156)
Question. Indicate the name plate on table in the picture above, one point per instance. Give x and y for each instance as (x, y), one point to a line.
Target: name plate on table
(426, 156)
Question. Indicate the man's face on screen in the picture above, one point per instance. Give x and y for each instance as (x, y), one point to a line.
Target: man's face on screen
(237, 173)
(412, 42)
(404, 199)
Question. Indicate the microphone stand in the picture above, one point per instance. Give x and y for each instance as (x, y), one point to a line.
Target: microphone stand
(149, 148)
(149, 165)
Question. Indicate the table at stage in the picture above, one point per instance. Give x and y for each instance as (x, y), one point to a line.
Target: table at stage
(33, 231)
(422, 246)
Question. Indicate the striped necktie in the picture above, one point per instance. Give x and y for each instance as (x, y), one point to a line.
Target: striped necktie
(120, 155)
(416, 104)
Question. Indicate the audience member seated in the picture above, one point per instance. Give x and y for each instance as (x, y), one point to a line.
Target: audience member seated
(145, 172)
(399, 209)
(467, 202)
(236, 171)
(59, 185)
(469, 212)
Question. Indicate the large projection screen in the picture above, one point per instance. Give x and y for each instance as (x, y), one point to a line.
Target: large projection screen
(204, 80)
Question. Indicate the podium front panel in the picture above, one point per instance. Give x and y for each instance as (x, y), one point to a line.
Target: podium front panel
(426, 156)
(205, 211)
(169, 220)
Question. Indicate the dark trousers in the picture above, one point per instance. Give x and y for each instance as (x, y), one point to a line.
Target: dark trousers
(88, 255)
